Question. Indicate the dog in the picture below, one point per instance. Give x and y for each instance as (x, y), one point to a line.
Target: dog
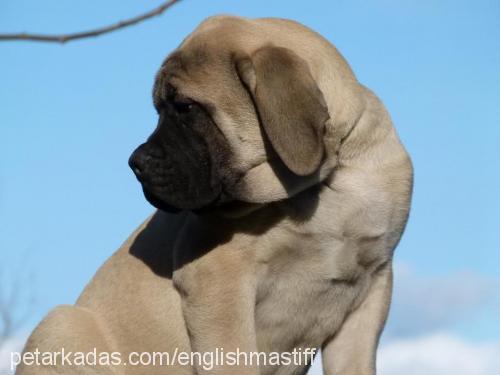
(282, 191)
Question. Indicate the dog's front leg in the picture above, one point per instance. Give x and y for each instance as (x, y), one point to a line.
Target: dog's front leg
(218, 294)
(353, 349)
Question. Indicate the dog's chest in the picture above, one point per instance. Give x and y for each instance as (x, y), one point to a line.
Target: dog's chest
(304, 294)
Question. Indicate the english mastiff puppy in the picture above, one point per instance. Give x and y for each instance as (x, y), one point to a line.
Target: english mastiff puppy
(282, 190)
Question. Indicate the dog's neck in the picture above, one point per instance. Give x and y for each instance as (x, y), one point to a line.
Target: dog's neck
(353, 179)
(251, 218)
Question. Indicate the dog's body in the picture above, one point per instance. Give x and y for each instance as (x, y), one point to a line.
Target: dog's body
(295, 252)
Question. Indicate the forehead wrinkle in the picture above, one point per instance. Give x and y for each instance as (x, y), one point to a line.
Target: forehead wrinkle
(159, 88)
(168, 75)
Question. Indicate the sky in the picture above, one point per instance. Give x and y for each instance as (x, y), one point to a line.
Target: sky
(70, 116)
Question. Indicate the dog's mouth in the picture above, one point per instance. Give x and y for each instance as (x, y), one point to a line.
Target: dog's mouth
(219, 202)
(175, 179)
(222, 205)
(159, 203)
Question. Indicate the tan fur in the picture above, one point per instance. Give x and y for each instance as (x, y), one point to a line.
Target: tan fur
(306, 264)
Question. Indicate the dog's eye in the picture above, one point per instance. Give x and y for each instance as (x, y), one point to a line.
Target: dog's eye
(183, 105)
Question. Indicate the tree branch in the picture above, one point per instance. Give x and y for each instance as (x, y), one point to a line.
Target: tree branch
(63, 38)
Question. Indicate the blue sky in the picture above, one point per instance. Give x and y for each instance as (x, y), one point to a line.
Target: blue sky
(71, 115)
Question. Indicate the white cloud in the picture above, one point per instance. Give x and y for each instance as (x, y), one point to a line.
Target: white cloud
(422, 305)
(439, 354)
(14, 344)
(434, 354)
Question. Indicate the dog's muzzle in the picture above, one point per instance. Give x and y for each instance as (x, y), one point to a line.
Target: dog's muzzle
(176, 171)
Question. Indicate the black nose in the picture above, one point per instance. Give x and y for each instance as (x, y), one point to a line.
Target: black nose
(138, 161)
(142, 159)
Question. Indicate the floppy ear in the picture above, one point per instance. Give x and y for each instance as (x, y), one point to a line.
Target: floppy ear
(289, 103)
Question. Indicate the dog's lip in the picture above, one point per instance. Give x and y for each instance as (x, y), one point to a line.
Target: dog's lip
(162, 205)
(158, 203)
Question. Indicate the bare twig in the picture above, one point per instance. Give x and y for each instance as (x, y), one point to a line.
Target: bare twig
(63, 38)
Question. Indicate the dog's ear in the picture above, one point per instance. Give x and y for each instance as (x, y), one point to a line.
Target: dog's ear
(289, 103)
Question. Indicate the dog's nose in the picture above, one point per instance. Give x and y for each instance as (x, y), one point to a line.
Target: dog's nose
(142, 159)
(137, 162)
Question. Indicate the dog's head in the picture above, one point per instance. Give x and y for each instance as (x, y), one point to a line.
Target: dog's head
(241, 118)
